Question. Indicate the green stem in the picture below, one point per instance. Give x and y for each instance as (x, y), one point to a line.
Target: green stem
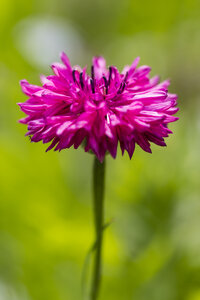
(98, 203)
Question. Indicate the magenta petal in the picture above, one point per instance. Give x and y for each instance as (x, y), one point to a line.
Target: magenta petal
(29, 89)
(99, 64)
(133, 66)
(65, 60)
(102, 109)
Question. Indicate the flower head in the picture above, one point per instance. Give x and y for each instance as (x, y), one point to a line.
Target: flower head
(101, 109)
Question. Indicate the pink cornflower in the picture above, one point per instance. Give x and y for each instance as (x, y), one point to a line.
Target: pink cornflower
(99, 110)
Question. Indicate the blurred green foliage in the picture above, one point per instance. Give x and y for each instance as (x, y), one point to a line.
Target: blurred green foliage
(152, 248)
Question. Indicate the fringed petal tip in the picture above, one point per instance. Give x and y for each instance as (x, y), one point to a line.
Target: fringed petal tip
(65, 59)
(23, 82)
(21, 121)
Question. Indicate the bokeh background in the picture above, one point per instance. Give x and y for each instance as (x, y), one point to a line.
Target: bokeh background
(152, 247)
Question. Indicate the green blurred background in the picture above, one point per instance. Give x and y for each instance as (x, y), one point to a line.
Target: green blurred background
(152, 248)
